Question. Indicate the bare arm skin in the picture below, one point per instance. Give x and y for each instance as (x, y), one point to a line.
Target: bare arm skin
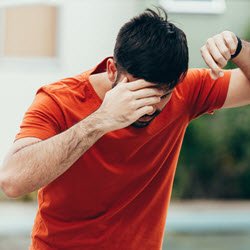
(239, 86)
(36, 165)
(216, 53)
(33, 163)
(243, 59)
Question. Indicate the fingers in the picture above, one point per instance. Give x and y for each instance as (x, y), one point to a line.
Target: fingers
(141, 89)
(147, 101)
(143, 111)
(139, 84)
(218, 50)
(230, 40)
(147, 92)
(215, 69)
(125, 79)
(223, 49)
(216, 53)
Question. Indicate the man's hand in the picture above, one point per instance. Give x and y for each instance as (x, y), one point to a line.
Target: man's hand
(216, 53)
(127, 102)
(218, 50)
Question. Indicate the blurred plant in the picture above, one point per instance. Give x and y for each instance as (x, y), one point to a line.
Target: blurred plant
(215, 159)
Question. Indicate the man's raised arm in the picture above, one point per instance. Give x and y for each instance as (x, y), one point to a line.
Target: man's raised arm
(217, 51)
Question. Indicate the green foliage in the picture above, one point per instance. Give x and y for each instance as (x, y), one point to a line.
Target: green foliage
(215, 158)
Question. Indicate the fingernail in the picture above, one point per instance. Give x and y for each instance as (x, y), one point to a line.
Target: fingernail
(221, 74)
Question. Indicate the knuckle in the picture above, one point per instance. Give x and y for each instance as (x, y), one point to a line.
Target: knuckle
(159, 92)
(224, 52)
(133, 105)
(217, 37)
(127, 87)
(202, 49)
(233, 51)
(209, 41)
(123, 118)
(234, 47)
(230, 40)
(219, 59)
(132, 95)
(128, 96)
(225, 32)
(151, 100)
(148, 101)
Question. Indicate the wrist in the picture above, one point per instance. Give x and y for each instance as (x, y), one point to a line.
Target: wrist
(91, 126)
(97, 123)
(238, 49)
(242, 60)
(102, 120)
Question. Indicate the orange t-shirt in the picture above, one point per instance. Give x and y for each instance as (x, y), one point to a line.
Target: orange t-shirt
(116, 195)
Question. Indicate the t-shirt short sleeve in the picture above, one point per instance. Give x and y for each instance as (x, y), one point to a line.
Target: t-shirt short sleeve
(204, 94)
(43, 119)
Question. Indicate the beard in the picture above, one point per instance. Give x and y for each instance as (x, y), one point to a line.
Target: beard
(141, 122)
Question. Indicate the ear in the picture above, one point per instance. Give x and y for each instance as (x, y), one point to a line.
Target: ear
(111, 69)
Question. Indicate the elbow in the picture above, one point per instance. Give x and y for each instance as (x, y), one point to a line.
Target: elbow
(9, 187)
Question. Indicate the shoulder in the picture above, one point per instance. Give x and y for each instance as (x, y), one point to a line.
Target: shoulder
(193, 78)
(196, 74)
(66, 90)
(64, 85)
(201, 77)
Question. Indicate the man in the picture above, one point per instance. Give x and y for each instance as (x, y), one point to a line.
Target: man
(102, 147)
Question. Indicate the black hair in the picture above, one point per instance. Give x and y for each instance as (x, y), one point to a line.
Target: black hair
(152, 48)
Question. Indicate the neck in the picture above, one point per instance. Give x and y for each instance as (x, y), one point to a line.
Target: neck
(100, 83)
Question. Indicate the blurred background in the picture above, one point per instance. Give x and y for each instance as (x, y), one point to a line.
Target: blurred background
(42, 41)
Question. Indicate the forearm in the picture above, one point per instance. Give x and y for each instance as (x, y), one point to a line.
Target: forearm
(39, 164)
(243, 59)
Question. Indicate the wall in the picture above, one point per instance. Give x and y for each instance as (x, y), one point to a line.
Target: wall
(86, 35)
